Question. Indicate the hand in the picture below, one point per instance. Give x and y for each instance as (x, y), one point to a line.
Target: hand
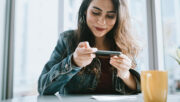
(83, 54)
(122, 63)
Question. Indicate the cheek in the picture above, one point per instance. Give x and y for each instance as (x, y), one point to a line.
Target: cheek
(90, 19)
(111, 23)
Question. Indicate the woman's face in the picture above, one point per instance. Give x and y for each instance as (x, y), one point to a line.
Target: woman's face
(101, 17)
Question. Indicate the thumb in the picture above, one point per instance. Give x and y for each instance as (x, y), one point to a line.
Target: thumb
(86, 43)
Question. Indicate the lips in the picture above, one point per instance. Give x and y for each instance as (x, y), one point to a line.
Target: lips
(100, 29)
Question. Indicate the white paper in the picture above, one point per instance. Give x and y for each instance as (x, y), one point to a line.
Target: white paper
(113, 98)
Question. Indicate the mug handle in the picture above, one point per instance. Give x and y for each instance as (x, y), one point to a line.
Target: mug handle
(149, 78)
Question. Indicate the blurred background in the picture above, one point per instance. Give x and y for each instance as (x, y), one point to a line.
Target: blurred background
(37, 24)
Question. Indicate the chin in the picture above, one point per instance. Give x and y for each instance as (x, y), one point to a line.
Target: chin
(100, 35)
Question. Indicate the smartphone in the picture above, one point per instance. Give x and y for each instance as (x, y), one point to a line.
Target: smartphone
(107, 53)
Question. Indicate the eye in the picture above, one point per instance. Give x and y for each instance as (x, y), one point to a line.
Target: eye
(110, 16)
(96, 13)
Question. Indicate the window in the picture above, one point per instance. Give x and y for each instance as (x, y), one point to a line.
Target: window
(71, 13)
(2, 32)
(138, 14)
(36, 34)
(171, 38)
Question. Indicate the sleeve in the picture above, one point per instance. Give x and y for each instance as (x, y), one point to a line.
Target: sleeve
(57, 71)
(122, 88)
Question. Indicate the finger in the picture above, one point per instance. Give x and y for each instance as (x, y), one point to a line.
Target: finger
(115, 65)
(126, 63)
(87, 44)
(119, 66)
(125, 57)
(84, 44)
(122, 61)
(86, 50)
(85, 59)
(87, 56)
(116, 57)
(81, 44)
(122, 57)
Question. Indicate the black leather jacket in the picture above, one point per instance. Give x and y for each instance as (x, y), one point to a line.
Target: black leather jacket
(59, 74)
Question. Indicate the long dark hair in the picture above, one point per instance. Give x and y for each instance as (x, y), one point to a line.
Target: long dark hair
(120, 36)
(83, 31)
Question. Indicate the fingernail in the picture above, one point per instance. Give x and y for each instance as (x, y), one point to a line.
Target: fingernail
(94, 49)
(87, 44)
(115, 57)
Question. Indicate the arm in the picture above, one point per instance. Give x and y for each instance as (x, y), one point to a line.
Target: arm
(58, 71)
(122, 87)
(128, 80)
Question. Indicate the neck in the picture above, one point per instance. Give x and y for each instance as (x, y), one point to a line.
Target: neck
(102, 44)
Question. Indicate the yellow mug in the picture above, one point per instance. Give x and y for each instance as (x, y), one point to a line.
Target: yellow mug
(154, 85)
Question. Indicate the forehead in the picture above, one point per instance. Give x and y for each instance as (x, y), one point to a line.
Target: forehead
(105, 5)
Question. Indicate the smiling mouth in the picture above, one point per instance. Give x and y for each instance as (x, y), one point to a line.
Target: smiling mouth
(100, 29)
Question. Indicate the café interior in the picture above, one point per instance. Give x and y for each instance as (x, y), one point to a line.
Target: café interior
(29, 30)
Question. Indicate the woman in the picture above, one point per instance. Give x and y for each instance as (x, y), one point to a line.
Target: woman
(74, 68)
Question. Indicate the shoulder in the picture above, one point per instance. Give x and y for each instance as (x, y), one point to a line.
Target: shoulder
(68, 39)
(66, 35)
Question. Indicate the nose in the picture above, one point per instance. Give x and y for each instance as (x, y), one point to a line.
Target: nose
(101, 20)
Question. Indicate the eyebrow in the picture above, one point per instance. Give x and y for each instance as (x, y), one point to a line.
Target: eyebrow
(102, 10)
